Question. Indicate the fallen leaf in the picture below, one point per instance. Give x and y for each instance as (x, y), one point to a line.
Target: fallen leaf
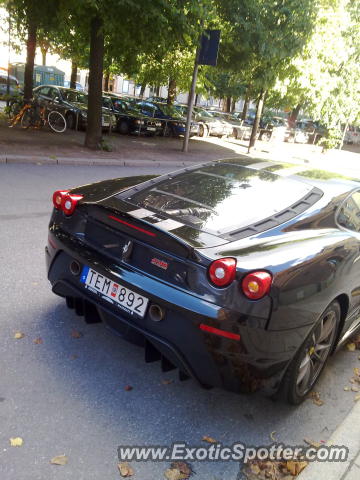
(312, 443)
(59, 460)
(255, 468)
(295, 467)
(347, 389)
(357, 398)
(125, 469)
(355, 389)
(76, 334)
(272, 436)
(175, 474)
(166, 382)
(38, 341)
(315, 396)
(357, 371)
(208, 439)
(19, 335)
(127, 388)
(351, 347)
(183, 467)
(16, 442)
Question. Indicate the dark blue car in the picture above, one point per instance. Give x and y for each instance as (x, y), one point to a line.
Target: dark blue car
(174, 123)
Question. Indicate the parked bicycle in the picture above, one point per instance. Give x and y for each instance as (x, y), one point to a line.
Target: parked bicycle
(32, 115)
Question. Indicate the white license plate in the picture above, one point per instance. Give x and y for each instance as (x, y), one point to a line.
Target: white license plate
(113, 292)
(152, 129)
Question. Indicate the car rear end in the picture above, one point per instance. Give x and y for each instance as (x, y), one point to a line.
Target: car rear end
(148, 261)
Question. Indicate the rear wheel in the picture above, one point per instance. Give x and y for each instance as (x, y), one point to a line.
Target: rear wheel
(203, 130)
(27, 119)
(310, 360)
(57, 122)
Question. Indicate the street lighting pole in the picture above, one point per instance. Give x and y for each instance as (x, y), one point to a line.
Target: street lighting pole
(191, 102)
(9, 48)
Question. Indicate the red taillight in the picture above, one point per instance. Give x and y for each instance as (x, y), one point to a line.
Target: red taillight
(222, 271)
(221, 333)
(65, 201)
(69, 203)
(57, 198)
(256, 284)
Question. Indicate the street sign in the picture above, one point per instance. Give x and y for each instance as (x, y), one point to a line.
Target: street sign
(209, 47)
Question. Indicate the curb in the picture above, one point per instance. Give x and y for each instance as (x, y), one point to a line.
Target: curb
(346, 434)
(81, 161)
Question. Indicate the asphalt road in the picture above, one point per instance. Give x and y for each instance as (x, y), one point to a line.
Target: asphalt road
(66, 395)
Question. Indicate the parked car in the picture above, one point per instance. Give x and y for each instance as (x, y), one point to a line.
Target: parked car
(154, 98)
(71, 103)
(234, 126)
(78, 86)
(208, 124)
(241, 277)
(14, 85)
(129, 118)
(174, 123)
(313, 129)
(274, 128)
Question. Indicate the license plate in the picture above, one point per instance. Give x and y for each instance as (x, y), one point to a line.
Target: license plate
(152, 129)
(113, 292)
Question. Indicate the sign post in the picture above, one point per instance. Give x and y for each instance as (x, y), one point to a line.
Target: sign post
(206, 54)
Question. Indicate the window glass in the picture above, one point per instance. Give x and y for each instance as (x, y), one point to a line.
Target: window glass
(349, 214)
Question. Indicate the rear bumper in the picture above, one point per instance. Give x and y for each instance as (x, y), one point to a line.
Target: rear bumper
(256, 362)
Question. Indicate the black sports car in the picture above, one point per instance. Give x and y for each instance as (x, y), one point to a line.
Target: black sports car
(244, 275)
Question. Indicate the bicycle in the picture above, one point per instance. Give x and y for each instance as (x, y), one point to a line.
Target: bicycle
(32, 115)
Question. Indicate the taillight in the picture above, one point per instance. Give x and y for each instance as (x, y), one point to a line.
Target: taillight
(58, 197)
(256, 284)
(65, 201)
(222, 271)
(69, 203)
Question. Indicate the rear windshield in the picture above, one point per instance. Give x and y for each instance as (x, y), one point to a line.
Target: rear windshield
(221, 198)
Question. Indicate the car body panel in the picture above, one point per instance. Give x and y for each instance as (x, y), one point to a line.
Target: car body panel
(119, 230)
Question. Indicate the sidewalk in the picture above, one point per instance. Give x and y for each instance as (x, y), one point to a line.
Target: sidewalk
(346, 434)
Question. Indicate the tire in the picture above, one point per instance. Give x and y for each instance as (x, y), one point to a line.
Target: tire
(70, 121)
(123, 127)
(203, 130)
(308, 363)
(57, 122)
(265, 137)
(27, 119)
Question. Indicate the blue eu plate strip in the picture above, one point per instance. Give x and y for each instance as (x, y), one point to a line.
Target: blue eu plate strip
(84, 274)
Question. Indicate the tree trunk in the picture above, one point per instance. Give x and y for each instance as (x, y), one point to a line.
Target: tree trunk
(93, 131)
(294, 115)
(106, 81)
(245, 107)
(233, 104)
(227, 104)
(30, 56)
(171, 91)
(196, 99)
(43, 55)
(73, 76)
(157, 90)
(259, 109)
(142, 90)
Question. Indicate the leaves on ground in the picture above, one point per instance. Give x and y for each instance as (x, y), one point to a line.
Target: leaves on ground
(347, 389)
(76, 334)
(19, 335)
(178, 471)
(59, 460)
(208, 439)
(272, 470)
(315, 397)
(128, 388)
(357, 398)
(38, 341)
(125, 469)
(272, 436)
(355, 389)
(351, 347)
(16, 441)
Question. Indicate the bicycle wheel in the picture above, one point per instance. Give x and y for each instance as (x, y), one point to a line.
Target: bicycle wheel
(57, 122)
(26, 119)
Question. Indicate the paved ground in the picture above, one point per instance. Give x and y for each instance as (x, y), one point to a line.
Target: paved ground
(78, 406)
